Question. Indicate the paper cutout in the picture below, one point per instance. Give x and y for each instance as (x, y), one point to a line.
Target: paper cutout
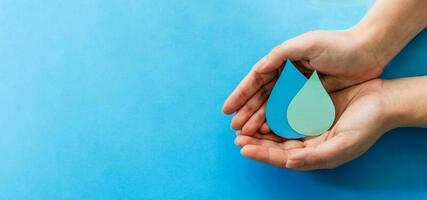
(287, 86)
(298, 107)
(311, 112)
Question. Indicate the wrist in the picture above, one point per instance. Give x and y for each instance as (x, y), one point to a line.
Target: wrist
(390, 25)
(405, 102)
(373, 41)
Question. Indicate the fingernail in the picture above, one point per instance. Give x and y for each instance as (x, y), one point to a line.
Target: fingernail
(238, 132)
(235, 142)
(294, 163)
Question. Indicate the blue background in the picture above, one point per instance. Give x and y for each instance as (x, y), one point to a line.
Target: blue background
(122, 100)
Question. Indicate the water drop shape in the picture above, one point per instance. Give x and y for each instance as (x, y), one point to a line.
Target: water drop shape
(311, 112)
(287, 86)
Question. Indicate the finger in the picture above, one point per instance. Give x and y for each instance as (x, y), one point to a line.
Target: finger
(265, 154)
(247, 88)
(255, 122)
(270, 136)
(252, 106)
(292, 144)
(327, 155)
(264, 128)
(294, 49)
(242, 140)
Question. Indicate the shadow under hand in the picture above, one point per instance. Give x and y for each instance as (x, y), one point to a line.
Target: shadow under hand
(398, 157)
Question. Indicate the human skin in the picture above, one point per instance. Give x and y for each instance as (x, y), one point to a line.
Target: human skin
(342, 58)
(364, 112)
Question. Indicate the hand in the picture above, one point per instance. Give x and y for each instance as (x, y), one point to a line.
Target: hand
(342, 58)
(363, 115)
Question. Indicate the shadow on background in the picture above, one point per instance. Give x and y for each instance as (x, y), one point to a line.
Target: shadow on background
(412, 60)
(397, 161)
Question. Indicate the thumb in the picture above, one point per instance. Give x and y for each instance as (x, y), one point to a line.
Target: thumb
(327, 155)
(294, 49)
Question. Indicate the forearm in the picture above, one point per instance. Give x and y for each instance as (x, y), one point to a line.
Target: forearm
(391, 24)
(407, 101)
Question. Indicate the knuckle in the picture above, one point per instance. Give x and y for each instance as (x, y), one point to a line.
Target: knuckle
(259, 115)
(259, 80)
(242, 94)
(275, 50)
(264, 92)
(249, 107)
(244, 140)
(236, 124)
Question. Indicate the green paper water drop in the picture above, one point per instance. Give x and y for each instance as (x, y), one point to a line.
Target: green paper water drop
(311, 112)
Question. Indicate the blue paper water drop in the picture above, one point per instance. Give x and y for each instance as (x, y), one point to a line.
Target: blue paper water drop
(287, 86)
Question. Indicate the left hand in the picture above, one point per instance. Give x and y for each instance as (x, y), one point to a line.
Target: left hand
(362, 118)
